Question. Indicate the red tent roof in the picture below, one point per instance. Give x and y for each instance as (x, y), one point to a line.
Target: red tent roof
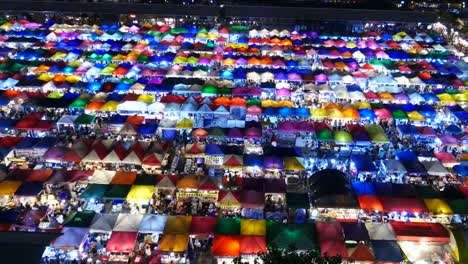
(233, 162)
(252, 245)
(333, 248)
(421, 232)
(122, 241)
(203, 225)
(71, 156)
(194, 149)
(151, 160)
(207, 184)
(362, 253)
(39, 175)
(370, 202)
(228, 246)
(329, 231)
(9, 141)
(399, 204)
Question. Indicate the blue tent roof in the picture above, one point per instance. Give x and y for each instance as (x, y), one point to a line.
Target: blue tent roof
(363, 188)
(408, 130)
(302, 111)
(270, 111)
(8, 216)
(386, 251)
(147, 129)
(94, 86)
(122, 87)
(285, 111)
(115, 97)
(117, 120)
(46, 142)
(26, 143)
(453, 130)
(227, 75)
(253, 160)
(461, 170)
(363, 163)
(367, 114)
(430, 97)
(406, 156)
(213, 150)
(4, 101)
(29, 189)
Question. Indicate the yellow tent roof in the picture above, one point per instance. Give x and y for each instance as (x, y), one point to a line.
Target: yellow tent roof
(185, 124)
(9, 187)
(110, 106)
(268, 103)
(45, 77)
(463, 157)
(187, 183)
(446, 98)
(285, 103)
(416, 116)
(291, 163)
(334, 113)
(178, 225)
(140, 193)
(58, 55)
(147, 98)
(73, 79)
(251, 227)
(174, 243)
(318, 112)
(462, 97)
(438, 207)
(362, 105)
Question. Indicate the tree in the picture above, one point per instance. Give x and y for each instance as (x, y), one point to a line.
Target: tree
(274, 255)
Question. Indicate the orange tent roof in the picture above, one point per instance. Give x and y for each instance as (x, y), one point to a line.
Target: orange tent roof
(200, 133)
(135, 120)
(124, 177)
(370, 202)
(94, 106)
(367, 66)
(238, 101)
(222, 101)
(351, 113)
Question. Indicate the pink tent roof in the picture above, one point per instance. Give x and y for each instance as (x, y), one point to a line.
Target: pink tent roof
(445, 157)
(448, 140)
(383, 113)
(286, 126)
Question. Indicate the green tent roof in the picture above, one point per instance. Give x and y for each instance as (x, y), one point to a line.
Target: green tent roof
(343, 136)
(117, 192)
(324, 135)
(462, 244)
(239, 28)
(227, 226)
(399, 114)
(95, 191)
(254, 102)
(178, 30)
(459, 206)
(216, 132)
(210, 89)
(79, 103)
(297, 200)
(224, 91)
(426, 191)
(302, 237)
(85, 119)
(145, 179)
(80, 219)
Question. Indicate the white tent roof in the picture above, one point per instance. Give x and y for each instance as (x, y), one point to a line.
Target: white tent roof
(127, 129)
(188, 107)
(156, 107)
(435, 168)
(112, 157)
(204, 109)
(128, 222)
(221, 110)
(168, 123)
(102, 177)
(67, 120)
(103, 223)
(172, 107)
(91, 157)
(380, 231)
(133, 106)
(229, 198)
(152, 223)
(165, 183)
(393, 166)
(425, 252)
(132, 158)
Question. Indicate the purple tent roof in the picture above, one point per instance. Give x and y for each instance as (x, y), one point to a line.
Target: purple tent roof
(321, 77)
(294, 77)
(281, 76)
(155, 81)
(252, 199)
(355, 231)
(204, 61)
(286, 126)
(234, 133)
(448, 140)
(241, 61)
(401, 96)
(304, 126)
(55, 153)
(283, 92)
(273, 162)
(72, 237)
